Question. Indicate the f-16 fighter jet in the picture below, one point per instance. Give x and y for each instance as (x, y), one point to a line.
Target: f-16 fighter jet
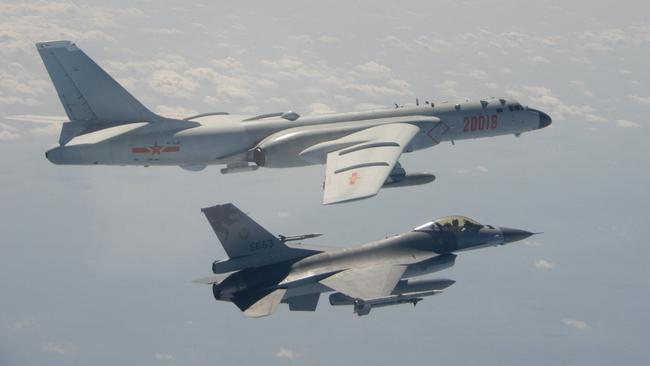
(360, 150)
(263, 270)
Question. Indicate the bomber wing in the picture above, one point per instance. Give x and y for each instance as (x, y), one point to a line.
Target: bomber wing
(366, 282)
(359, 169)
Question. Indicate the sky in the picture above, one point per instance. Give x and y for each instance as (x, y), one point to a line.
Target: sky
(96, 262)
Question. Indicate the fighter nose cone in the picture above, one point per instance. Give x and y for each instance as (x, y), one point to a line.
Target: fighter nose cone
(512, 235)
(544, 120)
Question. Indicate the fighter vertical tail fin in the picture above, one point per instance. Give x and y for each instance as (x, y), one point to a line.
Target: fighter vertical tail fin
(92, 99)
(239, 234)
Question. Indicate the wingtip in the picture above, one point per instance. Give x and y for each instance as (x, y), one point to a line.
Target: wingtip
(205, 209)
(56, 44)
(346, 200)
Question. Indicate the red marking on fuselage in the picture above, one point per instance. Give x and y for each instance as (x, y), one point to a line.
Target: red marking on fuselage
(139, 150)
(156, 149)
(175, 148)
(480, 122)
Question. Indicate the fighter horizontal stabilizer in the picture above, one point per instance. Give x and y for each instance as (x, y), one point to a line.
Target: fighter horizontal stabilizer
(212, 280)
(256, 304)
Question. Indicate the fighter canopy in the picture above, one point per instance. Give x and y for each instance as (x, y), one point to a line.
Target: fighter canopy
(451, 223)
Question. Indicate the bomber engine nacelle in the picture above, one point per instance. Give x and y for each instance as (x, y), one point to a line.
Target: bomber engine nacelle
(405, 180)
(285, 148)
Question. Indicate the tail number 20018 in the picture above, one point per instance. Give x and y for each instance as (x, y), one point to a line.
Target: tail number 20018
(478, 123)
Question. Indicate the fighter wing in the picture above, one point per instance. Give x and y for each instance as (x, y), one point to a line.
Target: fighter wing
(358, 171)
(367, 282)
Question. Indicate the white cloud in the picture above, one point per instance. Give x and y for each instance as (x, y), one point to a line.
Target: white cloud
(478, 74)
(374, 69)
(60, 348)
(320, 108)
(544, 264)
(448, 87)
(174, 112)
(539, 59)
(641, 100)
(532, 243)
(265, 83)
(623, 123)
(580, 60)
(604, 39)
(544, 98)
(329, 39)
(289, 68)
(305, 38)
(595, 118)
(8, 132)
(368, 106)
(285, 353)
(429, 43)
(28, 21)
(23, 324)
(227, 87)
(48, 130)
(577, 324)
(172, 83)
(230, 64)
(375, 91)
(507, 40)
(480, 169)
(164, 357)
(18, 86)
(163, 31)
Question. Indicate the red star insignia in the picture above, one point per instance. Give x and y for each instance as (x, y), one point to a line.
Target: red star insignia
(155, 149)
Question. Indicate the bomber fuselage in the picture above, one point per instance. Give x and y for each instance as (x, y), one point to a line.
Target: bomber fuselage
(278, 142)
